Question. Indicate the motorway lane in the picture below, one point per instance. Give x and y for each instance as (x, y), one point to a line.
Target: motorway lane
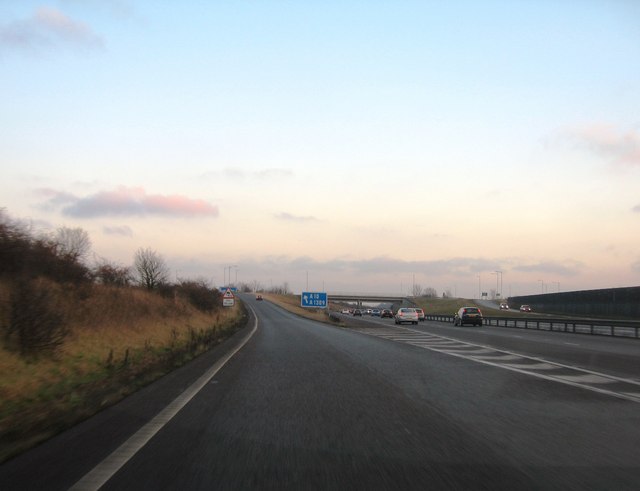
(305, 405)
(615, 356)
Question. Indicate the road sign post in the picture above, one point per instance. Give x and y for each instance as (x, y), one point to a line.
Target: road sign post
(228, 300)
(316, 300)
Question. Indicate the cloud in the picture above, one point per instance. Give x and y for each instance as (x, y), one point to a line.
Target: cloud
(127, 202)
(294, 218)
(636, 209)
(572, 268)
(273, 173)
(121, 9)
(122, 230)
(48, 27)
(605, 141)
(240, 174)
(386, 265)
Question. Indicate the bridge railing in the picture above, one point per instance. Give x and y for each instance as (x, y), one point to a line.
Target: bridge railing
(624, 329)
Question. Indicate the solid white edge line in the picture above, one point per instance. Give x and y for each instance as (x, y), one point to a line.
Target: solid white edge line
(100, 474)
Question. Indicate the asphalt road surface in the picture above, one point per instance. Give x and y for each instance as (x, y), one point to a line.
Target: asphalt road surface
(309, 406)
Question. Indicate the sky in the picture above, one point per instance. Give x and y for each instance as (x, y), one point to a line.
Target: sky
(345, 146)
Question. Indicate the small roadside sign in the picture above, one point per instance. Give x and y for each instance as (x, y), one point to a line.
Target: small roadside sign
(228, 300)
(314, 299)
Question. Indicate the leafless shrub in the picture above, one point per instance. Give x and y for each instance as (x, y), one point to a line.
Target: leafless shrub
(36, 326)
(200, 295)
(108, 273)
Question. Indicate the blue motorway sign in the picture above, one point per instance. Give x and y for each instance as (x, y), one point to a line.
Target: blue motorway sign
(314, 299)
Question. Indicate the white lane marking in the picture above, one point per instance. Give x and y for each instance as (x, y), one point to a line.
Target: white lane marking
(535, 366)
(572, 344)
(522, 368)
(498, 357)
(587, 379)
(562, 380)
(541, 360)
(100, 474)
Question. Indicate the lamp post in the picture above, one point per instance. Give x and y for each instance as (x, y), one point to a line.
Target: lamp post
(541, 286)
(499, 283)
(229, 268)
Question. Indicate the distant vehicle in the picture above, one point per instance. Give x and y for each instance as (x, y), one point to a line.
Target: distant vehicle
(420, 313)
(368, 312)
(504, 306)
(375, 312)
(525, 308)
(345, 311)
(468, 315)
(406, 315)
(357, 312)
(386, 313)
(258, 297)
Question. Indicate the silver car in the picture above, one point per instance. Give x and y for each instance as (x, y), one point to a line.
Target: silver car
(406, 315)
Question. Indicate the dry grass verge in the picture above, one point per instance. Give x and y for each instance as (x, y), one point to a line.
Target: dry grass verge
(120, 340)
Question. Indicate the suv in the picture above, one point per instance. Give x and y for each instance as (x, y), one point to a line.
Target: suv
(420, 313)
(468, 315)
(406, 315)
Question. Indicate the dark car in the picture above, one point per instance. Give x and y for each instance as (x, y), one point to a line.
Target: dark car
(386, 313)
(420, 313)
(468, 315)
(525, 308)
(357, 312)
(258, 297)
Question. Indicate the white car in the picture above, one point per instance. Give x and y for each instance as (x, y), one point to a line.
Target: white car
(406, 315)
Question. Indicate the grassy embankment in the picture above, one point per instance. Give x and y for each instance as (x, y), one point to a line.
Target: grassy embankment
(119, 340)
(291, 303)
(444, 306)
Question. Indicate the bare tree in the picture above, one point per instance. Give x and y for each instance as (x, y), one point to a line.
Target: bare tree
(430, 292)
(73, 243)
(151, 268)
(416, 290)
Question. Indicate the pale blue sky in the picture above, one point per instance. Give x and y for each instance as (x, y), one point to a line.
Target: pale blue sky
(364, 142)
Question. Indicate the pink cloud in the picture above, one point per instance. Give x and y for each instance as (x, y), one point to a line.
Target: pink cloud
(605, 140)
(48, 27)
(127, 202)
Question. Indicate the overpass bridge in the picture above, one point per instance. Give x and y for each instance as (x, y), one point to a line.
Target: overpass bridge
(359, 298)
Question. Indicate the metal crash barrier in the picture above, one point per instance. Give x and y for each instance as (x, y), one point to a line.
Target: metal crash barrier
(623, 329)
